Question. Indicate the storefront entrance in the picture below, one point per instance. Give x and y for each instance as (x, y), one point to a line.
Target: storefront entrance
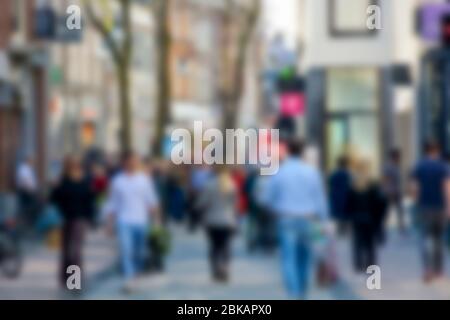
(352, 116)
(352, 135)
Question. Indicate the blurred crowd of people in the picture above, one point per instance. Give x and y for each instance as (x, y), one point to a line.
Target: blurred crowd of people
(359, 201)
(298, 210)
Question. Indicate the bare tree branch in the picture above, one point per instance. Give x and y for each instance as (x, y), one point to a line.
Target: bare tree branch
(127, 29)
(249, 21)
(103, 30)
(161, 11)
(240, 21)
(121, 53)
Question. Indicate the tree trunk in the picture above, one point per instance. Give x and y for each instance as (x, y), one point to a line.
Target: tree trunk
(230, 108)
(163, 115)
(237, 40)
(126, 135)
(121, 54)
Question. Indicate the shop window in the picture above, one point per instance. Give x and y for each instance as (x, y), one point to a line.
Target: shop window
(352, 89)
(352, 116)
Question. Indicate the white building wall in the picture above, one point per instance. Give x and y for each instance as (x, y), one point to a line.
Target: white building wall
(322, 49)
(396, 43)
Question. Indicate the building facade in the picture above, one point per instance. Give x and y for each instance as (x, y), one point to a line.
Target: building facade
(85, 100)
(23, 90)
(355, 105)
(196, 31)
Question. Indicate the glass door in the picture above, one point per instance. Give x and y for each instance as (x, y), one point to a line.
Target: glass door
(352, 116)
(353, 136)
(337, 139)
(364, 140)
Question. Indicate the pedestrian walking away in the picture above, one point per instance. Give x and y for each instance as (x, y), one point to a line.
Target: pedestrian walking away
(429, 187)
(74, 198)
(296, 195)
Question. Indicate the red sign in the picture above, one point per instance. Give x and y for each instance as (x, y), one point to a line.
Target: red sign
(292, 104)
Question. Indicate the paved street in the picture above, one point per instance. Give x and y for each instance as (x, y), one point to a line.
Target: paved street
(39, 277)
(258, 277)
(253, 277)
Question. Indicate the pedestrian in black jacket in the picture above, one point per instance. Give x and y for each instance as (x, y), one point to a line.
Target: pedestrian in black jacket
(366, 207)
(74, 198)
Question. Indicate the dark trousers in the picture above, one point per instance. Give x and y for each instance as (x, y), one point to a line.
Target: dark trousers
(29, 207)
(194, 213)
(432, 227)
(262, 231)
(220, 249)
(364, 246)
(72, 246)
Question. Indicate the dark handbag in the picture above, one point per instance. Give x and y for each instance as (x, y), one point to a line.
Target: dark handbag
(327, 271)
(159, 244)
(325, 275)
(160, 241)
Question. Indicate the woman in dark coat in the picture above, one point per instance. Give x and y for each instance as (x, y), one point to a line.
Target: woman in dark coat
(339, 186)
(366, 207)
(74, 198)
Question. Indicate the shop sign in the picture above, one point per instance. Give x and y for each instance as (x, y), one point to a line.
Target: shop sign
(292, 104)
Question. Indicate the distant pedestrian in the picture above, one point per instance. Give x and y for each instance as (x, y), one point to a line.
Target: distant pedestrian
(27, 188)
(296, 195)
(112, 165)
(239, 177)
(74, 198)
(131, 205)
(430, 181)
(99, 181)
(218, 202)
(261, 229)
(253, 226)
(366, 207)
(199, 178)
(392, 186)
(178, 203)
(339, 187)
(160, 173)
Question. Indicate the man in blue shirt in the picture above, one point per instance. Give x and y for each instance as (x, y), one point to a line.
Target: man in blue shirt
(296, 196)
(431, 179)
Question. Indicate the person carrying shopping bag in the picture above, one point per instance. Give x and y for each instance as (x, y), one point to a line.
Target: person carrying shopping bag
(131, 208)
(296, 196)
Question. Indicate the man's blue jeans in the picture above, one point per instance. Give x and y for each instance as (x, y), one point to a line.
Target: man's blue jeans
(133, 248)
(295, 239)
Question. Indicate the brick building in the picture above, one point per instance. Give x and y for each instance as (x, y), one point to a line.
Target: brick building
(22, 91)
(196, 30)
